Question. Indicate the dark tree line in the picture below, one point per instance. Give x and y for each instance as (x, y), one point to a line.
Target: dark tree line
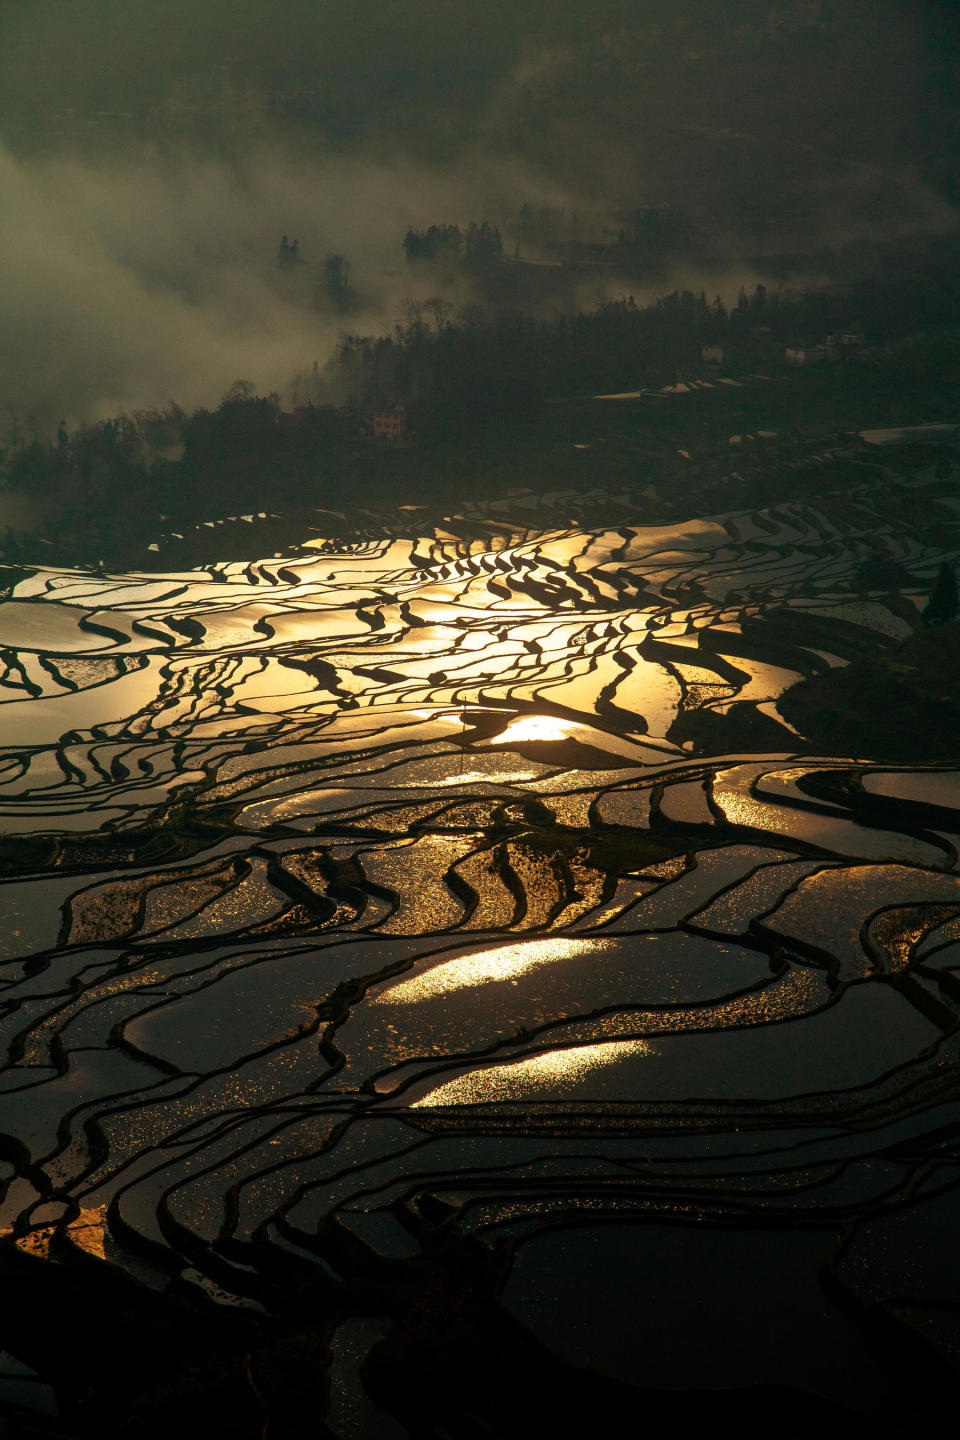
(458, 371)
(476, 247)
(478, 366)
(120, 481)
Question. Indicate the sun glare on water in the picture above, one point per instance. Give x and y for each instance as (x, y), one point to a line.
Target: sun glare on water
(534, 727)
(506, 962)
(523, 1079)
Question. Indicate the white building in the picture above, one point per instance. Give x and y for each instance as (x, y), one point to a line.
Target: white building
(805, 354)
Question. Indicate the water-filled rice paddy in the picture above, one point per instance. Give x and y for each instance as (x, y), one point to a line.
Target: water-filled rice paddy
(369, 923)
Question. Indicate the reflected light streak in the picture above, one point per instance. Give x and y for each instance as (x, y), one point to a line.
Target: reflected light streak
(523, 1078)
(88, 1231)
(506, 962)
(534, 727)
(477, 777)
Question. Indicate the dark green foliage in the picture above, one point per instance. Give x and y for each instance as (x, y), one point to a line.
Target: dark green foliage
(438, 243)
(483, 245)
(480, 246)
(119, 483)
(880, 572)
(944, 602)
(336, 280)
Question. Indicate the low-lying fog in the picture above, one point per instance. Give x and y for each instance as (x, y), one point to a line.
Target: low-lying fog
(148, 172)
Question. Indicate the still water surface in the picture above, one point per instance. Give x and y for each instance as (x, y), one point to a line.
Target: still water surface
(378, 870)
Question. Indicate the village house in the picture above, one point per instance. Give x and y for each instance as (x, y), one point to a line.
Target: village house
(845, 342)
(840, 345)
(391, 424)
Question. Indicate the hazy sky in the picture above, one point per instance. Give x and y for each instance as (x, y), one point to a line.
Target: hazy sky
(151, 154)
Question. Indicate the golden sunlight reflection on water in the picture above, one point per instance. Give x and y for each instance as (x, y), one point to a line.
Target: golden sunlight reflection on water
(523, 1078)
(534, 727)
(478, 777)
(88, 1231)
(505, 962)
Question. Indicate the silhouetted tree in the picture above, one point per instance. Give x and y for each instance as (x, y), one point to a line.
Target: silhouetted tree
(440, 242)
(944, 602)
(288, 256)
(439, 310)
(484, 245)
(336, 279)
(415, 245)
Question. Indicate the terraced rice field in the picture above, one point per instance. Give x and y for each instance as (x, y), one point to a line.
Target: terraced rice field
(373, 933)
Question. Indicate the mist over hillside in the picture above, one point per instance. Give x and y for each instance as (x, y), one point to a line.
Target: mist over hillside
(152, 157)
